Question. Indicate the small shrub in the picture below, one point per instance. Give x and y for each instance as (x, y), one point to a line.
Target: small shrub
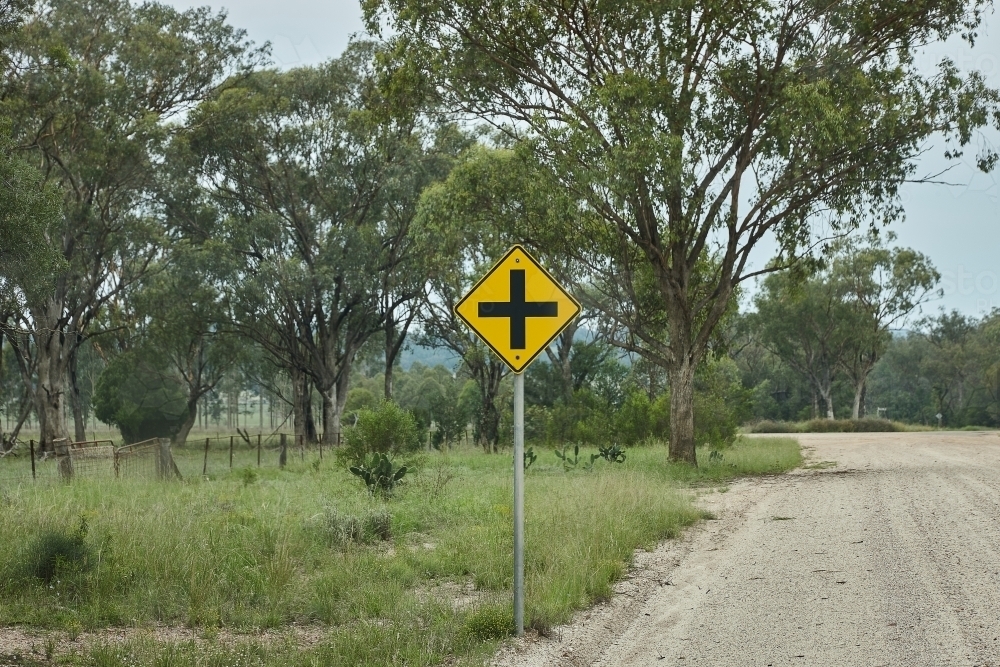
(612, 454)
(490, 622)
(58, 551)
(388, 429)
(529, 457)
(567, 460)
(379, 474)
(633, 421)
(248, 476)
(874, 426)
(849, 426)
(770, 426)
(343, 529)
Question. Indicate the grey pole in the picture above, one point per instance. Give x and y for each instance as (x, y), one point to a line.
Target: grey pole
(519, 503)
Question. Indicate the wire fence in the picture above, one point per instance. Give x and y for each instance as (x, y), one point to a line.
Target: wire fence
(215, 456)
(155, 458)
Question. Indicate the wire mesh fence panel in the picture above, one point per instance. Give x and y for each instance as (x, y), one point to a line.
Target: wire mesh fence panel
(92, 460)
(139, 460)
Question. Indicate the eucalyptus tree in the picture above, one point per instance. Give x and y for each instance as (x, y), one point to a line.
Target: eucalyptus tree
(92, 90)
(693, 130)
(883, 286)
(315, 173)
(805, 322)
(182, 323)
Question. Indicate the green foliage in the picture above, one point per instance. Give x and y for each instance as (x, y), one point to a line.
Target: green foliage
(828, 426)
(374, 525)
(388, 429)
(28, 207)
(612, 453)
(569, 462)
(489, 622)
(529, 457)
(143, 401)
(771, 426)
(360, 398)
(58, 552)
(583, 419)
(248, 476)
(379, 474)
(633, 422)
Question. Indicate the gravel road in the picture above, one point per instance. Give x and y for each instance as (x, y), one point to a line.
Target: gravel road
(891, 557)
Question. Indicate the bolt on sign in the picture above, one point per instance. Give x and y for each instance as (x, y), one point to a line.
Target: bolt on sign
(517, 308)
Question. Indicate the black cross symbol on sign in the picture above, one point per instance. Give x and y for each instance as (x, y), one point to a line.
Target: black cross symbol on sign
(517, 309)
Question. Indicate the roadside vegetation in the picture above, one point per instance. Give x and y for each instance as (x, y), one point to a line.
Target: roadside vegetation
(408, 578)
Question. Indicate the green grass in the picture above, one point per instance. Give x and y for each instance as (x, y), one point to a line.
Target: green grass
(266, 552)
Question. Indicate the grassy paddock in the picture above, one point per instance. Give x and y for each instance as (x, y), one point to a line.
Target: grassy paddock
(270, 551)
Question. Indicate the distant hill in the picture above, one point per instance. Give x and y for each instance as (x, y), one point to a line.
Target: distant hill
(429, 356)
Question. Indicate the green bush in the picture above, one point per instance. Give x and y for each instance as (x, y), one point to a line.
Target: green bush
(875, 426)
(633, 421)
(388, 429)
(827, 426)
(141, 400)
(494, 621)
(583, 419)
(770, 426)
(343, 529)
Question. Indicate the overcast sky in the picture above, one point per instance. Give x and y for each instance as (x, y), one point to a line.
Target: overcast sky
(956, 225)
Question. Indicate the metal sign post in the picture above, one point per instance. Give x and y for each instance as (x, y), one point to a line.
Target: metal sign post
(518, 309)
(519, 503)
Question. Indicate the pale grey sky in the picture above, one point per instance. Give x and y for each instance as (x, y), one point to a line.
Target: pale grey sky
(957, 225)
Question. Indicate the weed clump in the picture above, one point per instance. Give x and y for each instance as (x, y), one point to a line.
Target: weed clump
(248, 476)
(58, 551)
(490, 622)
(370, 527)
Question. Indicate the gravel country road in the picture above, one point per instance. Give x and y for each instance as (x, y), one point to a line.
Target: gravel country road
(889, 558)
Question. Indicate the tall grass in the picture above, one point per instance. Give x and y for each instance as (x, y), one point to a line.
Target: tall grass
(248, 552)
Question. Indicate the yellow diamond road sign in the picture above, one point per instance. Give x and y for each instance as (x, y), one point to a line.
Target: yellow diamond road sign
(517, 308)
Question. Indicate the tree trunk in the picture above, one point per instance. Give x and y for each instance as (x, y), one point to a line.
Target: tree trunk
(827, 394)
(180, 439)
(51, 388)
(305, 429)
(388, 382)
(859, 391)
(682, 444)
(76, 402)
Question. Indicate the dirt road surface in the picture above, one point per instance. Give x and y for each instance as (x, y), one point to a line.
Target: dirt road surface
(889, 558)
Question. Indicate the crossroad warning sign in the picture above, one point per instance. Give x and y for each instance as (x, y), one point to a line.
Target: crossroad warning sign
(517, 308)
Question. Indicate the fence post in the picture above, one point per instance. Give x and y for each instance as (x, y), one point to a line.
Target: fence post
(321, 447)
(230, 451)
(302, 449)
(31, 444)
(204, 466)
(283, 456)
(163, 458)
(258, 450)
